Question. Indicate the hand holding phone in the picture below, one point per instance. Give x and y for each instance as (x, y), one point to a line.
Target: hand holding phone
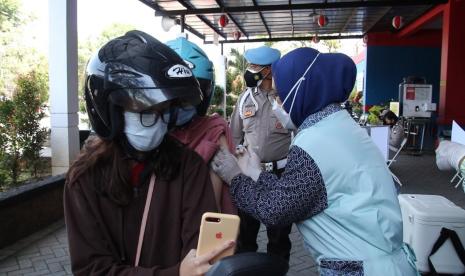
(215, 229)
(193, 265)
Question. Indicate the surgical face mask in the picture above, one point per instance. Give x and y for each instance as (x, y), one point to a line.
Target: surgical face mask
(253, 78)
(283, 117)
(142, 134)
(185, 114)
(296, 86)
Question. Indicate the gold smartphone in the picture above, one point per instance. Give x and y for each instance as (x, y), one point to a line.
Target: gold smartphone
(215, 229)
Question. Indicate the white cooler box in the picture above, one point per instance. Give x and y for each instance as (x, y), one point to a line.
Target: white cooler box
(423, 217)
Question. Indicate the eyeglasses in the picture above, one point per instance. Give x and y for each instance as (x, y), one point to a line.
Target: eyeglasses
(150, 117)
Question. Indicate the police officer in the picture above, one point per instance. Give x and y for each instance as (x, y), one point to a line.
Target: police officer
(255, 126)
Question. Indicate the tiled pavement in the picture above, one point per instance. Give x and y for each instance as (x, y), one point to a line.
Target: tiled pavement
(45, 253)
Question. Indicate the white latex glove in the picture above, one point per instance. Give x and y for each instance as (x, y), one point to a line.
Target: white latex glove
(224, 164)
(249, 162)
(449, 155)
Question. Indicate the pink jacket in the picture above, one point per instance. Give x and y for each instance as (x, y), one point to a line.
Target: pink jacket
(202, 135)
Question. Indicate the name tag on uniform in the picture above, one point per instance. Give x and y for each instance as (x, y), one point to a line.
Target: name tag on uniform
(249, 111)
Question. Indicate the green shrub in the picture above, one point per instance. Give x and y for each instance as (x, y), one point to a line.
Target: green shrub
(374, 113)
(217, 98)
(219, 111)
(20, 131)
(230, 100)
(229, 110)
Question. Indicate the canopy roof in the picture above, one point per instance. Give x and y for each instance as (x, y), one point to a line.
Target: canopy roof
(276, 20)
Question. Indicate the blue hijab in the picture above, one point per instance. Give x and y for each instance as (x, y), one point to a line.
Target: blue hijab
(330, 80)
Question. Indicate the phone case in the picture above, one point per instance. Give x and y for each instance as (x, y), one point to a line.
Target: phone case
(215, 229)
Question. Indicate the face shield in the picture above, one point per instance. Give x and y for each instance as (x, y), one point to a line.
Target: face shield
(135, 91)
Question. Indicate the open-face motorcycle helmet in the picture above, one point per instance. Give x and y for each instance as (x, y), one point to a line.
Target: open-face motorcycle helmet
(201, 67)
(134, 72)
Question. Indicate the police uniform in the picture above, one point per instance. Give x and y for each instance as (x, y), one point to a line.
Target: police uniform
(254, 125)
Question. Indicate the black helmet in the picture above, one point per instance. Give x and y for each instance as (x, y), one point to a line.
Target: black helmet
(134, 72)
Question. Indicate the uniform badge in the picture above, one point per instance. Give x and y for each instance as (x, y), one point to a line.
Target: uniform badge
(249, 111)
(278, 125)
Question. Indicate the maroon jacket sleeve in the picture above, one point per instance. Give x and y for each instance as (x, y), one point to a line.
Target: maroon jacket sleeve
(91, 253)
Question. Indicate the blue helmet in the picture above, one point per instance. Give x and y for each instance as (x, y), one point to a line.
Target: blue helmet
(200, 65)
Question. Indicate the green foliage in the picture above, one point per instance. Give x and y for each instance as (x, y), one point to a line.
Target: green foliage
(229, 80)
(217, 98)
(20, 131)
(9, 14)
(333, 44)
(269, 43)
(216, 103)
(229, 110)
(373, 116)
(237, 62)
(218, 110)
(16, 56)
(231, 100)
(89, 46)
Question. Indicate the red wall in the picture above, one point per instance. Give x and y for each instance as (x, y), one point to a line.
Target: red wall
(452, 85)
(426, 38)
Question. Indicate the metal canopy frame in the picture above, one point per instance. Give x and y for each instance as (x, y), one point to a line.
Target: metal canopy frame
(288, 20)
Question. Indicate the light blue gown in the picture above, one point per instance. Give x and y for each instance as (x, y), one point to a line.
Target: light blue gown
(360, 232)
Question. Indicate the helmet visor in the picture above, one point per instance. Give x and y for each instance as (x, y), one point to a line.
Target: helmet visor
(136, 92)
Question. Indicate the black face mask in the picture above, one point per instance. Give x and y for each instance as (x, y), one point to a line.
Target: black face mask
(252, 79)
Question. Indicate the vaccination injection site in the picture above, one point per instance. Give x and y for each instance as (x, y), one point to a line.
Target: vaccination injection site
(232, 137)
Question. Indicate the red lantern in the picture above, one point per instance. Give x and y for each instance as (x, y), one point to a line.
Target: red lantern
(315, 39)
(223, 21)
(322, 20)
(236, 35)
(397, 22)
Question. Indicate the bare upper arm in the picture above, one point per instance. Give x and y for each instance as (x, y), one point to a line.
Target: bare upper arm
(223, 142)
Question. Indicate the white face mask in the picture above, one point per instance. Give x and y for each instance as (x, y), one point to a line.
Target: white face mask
(144, 138)
(282, 116)
(296, 87)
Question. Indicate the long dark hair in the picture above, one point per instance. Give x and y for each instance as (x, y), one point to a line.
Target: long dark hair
(110, 164)
(390, 116)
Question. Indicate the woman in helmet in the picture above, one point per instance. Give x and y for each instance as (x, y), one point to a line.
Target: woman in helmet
(202, 133)
(134, 197)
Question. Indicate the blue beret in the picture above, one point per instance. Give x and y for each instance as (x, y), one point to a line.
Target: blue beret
(263, 55)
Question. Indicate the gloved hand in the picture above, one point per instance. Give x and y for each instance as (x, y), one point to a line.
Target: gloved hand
(224, 164)
(249, 162)
(449, 155)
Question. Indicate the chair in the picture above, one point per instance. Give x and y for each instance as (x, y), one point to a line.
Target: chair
(461, 179)
(397, 151)
(363, 119)
(249, 264)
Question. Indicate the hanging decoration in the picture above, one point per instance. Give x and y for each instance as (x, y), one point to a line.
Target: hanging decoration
(322, 20)
(313, 16)
(315, 39)
(223, 21)
(236, 35)
(397, 22)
